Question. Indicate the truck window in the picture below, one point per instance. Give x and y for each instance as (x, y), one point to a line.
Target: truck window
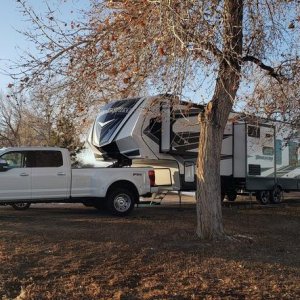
(45, 159)
(13, 159)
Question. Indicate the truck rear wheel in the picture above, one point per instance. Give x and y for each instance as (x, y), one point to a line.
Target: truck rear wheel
(120, 201)
(263, 197)
(21, 205)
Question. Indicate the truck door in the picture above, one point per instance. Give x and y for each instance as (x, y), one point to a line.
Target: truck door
(50, 176)
(15, 177)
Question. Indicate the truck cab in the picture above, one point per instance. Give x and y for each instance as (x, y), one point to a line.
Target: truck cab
(34, 173)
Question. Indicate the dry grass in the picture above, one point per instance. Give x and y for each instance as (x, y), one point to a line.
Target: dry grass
(74, 252)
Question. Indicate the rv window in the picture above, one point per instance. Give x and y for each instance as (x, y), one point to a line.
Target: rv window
(268, 151)
(254, 131)
(254, 169)
(110, 117)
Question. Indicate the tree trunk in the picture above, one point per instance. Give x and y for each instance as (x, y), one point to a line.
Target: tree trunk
(208, 194)
(212, 124)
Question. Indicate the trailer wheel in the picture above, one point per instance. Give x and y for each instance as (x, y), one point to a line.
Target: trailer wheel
(263, 197)
(276, 195)
(21, 205)
(120, 201)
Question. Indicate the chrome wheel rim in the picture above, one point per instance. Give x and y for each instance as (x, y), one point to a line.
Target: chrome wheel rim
(122, 202)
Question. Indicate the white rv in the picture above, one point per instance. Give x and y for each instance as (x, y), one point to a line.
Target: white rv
(258, 155)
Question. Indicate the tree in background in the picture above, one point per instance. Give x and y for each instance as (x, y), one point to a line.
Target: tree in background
(60, 119)
(11, 119)
(43, 120)
(122, 48)
(66, 135)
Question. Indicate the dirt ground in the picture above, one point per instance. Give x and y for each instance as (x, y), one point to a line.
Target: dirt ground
(57, 251)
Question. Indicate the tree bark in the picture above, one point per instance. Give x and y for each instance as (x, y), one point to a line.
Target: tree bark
(212, 124)
(209, 213)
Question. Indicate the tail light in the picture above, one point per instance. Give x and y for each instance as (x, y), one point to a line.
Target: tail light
(151, 175)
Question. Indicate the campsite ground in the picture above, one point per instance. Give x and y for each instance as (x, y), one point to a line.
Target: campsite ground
(73, 252)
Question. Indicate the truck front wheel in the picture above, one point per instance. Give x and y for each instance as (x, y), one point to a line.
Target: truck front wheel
(21, 206)
(120, 201)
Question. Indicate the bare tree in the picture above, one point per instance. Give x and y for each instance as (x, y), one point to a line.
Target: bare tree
(278, 101)
(42, 118)
(126, 47)
(11, 117)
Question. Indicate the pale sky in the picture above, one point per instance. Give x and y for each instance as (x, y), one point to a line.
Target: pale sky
(13, 43)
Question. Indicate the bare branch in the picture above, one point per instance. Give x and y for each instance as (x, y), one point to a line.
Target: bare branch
(271, 71)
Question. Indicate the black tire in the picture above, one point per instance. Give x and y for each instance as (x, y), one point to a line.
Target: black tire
(263, 197)
(276, 195)
(21, 205)
(120, 201)
(231, 196)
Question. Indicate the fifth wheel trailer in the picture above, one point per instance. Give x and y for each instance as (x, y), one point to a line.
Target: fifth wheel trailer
(258, 156)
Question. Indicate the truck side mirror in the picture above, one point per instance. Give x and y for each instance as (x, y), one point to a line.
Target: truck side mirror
(3, 165)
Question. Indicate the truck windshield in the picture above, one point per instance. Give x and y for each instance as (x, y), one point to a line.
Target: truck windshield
(110, 117)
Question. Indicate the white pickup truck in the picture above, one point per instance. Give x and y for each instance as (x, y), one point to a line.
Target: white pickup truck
(34, 175)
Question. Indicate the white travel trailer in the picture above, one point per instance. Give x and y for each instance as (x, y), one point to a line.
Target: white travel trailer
(258, 155)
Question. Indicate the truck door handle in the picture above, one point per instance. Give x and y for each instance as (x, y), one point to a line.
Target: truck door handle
(24, 174)
(61, 174)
